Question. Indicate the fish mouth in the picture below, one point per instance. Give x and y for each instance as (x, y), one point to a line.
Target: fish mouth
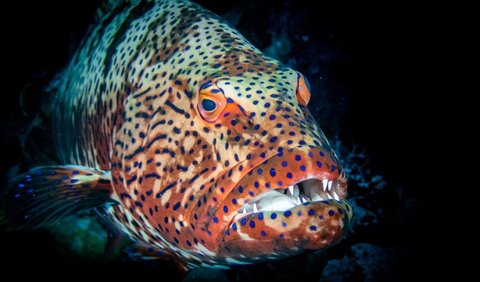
(291, 202)
(304, 192)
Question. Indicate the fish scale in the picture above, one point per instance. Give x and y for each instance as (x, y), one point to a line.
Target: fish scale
(189, 123)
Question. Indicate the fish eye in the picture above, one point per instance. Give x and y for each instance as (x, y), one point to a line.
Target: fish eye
(208, 105)
(211, 101)
(303, 90)
(308, 84)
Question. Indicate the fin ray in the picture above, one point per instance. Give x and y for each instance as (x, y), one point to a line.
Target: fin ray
(45, 194)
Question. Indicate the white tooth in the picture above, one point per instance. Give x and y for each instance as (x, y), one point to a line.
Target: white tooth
(315, 196)
(325, 183)
(329, 197)
(296, 191)
(304, 199)
(244, 210)
(330, 184)
(335, 196)
(290, 189)
(255, 209)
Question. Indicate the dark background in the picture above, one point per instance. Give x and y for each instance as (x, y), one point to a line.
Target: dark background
(360, 61)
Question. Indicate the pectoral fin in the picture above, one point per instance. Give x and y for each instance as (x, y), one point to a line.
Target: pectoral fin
(45, 194)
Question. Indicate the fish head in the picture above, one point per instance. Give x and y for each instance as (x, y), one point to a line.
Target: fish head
(282, 189)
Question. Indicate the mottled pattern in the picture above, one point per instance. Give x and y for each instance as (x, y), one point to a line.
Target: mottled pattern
(203, 136)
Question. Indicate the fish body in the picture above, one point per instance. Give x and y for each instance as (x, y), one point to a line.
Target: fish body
(189, 140)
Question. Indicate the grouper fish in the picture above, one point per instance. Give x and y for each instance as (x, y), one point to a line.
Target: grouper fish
(188, 140)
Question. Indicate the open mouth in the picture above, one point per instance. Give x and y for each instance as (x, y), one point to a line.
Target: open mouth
(282, 199)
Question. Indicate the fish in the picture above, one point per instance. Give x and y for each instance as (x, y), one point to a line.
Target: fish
(188, 140)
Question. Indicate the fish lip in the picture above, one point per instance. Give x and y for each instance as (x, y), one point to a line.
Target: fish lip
(338, 178)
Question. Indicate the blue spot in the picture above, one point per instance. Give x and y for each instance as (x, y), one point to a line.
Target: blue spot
(302, 168)
(310, 154)
(252, 224)
(263, 233)
(281, 235)
(289, 175)
(319, 164)
(227, 232)
(273, 215)
(299, 213)
(251, 193)
(215, 219)
(225, 209)
(331, 212)
(240, 189)
(234, 227)
(260, 216)
(284, 224)
(287, 213)
(262, 155)
(273, 139)
(280, 183)
(75, 172)
(30, 191)
(340, 211)
(234, 201)
(272, 172)
(284, 163)
(322, 154)
(16, 196)
(74, 181)
(229, 100)
(332, 168)
(313, 227)
(176, 206)
(272, 117)
(256, 184)
(21, 185)
(233, 122)
(311, 212)
(243, 221)
(297, 158)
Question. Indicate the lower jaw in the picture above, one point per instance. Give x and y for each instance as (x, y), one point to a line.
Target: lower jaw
(270, 234)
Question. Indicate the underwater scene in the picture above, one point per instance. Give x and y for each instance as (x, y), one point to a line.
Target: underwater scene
(214, 141)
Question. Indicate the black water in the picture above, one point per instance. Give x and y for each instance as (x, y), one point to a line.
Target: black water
(359, 66)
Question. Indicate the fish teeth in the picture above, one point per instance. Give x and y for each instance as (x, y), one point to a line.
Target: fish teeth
(299, 202)
(303, 199)
(330, 184)
(291, 189)
(329, 196)
(255, 209)
(335, 196)
(316, 197)
(325, 183)
(296, 191)
(244, 210)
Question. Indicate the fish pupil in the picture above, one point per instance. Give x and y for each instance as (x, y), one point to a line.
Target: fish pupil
(208, 105)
